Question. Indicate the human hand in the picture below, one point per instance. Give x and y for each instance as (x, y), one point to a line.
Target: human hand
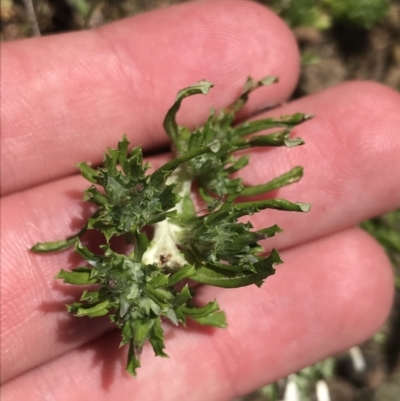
(66, 98)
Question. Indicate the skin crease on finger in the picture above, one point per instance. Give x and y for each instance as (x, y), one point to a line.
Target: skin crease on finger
(328, 295)
(70, 96)
(54, 211)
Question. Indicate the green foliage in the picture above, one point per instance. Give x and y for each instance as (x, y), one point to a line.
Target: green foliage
(141, 288)
(386, 229)
(309, 13)
(321, 14)
(363, 13)
(305, 380)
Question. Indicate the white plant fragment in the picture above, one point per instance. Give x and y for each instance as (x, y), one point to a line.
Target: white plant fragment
(322, 391)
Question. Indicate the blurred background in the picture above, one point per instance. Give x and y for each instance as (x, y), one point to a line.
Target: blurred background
(339, 40)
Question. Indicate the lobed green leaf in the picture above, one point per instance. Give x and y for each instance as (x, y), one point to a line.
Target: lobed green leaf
(78, 276)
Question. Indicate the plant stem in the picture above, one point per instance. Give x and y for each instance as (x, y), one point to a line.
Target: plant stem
(163, 250)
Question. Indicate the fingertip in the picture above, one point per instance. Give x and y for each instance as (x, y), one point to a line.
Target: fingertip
(223, 41)
(94, 85)
(371, 286)
(350, 159)
(365, 89)
(267, 47)
(328, 295)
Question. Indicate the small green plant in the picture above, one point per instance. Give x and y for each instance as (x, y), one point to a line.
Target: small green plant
(297, 13)
(321, 14)
(363, 13)
(386, 229)
(302, 386)
(205, 243)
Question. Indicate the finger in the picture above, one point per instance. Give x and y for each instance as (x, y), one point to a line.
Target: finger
(67, 97)
(304, 313)
(350, 159)
(53, 211)
(32, 301)
(34, 320)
